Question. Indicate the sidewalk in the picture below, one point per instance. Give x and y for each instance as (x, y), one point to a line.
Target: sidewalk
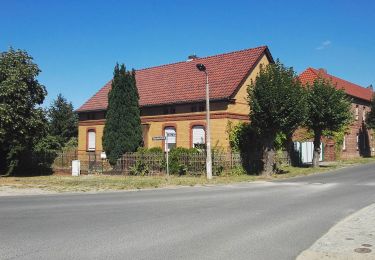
(352, 238)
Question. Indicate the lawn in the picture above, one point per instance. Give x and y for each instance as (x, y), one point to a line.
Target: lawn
(85, 183)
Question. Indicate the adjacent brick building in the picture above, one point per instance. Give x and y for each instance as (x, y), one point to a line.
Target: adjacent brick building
(172, 99)
(358, 141)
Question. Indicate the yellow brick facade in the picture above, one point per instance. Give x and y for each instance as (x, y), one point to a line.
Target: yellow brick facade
(154, 122)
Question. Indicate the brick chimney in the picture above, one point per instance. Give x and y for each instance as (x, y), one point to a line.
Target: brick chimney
(322, 71)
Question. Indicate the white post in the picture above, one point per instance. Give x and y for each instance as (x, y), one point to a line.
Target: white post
(166, 144)
(208, 141)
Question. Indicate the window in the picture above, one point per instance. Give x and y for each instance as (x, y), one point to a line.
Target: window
(202, 108)
(193, 108)
(364, 114)
(344, 143)
(356, 112)
(169, 110)
(357, 142)
(91, 116)
(170, 134)
(91, 136)
(199, 136)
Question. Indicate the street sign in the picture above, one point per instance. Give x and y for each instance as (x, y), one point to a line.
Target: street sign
(158, 138)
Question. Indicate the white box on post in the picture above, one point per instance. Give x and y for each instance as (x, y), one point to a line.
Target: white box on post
(76, 168)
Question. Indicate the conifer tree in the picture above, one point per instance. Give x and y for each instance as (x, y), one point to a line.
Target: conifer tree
(63, 121)
(122, 130)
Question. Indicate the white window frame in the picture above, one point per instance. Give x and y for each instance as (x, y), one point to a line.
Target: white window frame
(356, 112)
(344, 144)
(197, 130)
(91, 144)
(364, 114)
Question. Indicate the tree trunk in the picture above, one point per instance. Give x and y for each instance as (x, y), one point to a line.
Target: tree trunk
(268, 157)
(290, 148)
(316, 154)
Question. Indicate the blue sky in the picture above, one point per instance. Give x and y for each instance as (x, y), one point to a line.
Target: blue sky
(77, 43)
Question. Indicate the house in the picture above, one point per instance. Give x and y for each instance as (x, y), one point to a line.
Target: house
(172, 100)
(358, 141)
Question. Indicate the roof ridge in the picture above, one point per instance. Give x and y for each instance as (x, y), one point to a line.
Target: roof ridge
(328, 74)
(211, 56)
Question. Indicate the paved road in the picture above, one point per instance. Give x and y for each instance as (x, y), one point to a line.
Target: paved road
(274, 220)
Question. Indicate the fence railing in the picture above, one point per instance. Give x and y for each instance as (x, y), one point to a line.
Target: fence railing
(146, 163)
(149, 164)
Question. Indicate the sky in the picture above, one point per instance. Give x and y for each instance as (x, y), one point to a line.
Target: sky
(76, 44)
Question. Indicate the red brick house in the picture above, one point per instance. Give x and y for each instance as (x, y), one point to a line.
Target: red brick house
(359, 140)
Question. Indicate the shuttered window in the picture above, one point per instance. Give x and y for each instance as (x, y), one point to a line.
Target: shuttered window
(199, 135)
(91, 140)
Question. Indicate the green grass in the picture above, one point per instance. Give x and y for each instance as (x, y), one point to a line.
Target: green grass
(101, 183)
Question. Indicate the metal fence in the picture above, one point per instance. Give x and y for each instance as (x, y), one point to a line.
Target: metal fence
(146, 163)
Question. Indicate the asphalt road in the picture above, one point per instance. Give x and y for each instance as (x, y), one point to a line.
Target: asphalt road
(271, 220)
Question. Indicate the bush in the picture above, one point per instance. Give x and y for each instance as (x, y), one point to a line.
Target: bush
(180, 160)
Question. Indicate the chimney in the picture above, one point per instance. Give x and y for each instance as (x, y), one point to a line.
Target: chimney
(192, 57)
(322, 71)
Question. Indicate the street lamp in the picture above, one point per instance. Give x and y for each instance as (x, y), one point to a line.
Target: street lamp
(202, 68)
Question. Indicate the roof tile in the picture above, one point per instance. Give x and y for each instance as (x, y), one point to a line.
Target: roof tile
(354, 90)
(181, 82)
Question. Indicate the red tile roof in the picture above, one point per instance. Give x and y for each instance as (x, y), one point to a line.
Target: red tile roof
(354, 90)
(182, 83)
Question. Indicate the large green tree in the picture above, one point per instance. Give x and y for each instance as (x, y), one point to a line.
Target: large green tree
(63, 121)
(122, 130)
(329, 109)
(370, 118)
(277, 105)
(22, 121)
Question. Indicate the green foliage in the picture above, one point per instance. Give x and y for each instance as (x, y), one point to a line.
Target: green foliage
(328, 108)
(244, 139)
(122, 131)
(280, 141)
(148, 159)
(277, 107)
(22, 121)
(178, 157)
(370, 118)
(48, 144)
(277, 101)
(338, 138)
(71, 144)
(63, 121)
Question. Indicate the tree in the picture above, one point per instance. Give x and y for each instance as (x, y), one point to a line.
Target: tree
(22, 121)
(63, 121)
(328, 110)
(370, 118)
(122, 130)
(277, 105)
